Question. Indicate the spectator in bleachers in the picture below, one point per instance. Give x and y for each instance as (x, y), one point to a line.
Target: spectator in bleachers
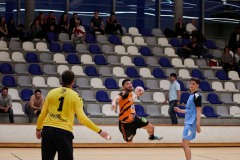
(50, 21)
(234, 41)
(35, 104)
(191, 48)
(237, 56)
(36, 30)
(12, 29)
(41, 19)
(180, 28)
(3, 27)
(78, 32)
(72, 21)
(6, 104)
(112, 25)
(227, 60)
(63, 23)
(190, 27)
(97, 23)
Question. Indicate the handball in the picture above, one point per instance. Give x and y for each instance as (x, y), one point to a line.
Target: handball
(139, 91)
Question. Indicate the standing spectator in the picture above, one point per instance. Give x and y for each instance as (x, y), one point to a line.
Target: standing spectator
(78, 32)
(227, 60)
(6, 104)
(192, 117)
(173, 97)
(73, 20)
(190, 27)
(36, 30)
(234, 41)
(55, 123)
(63, 23)
(112, 25)
(12, 29)
(35, 105)
(3, 27)
(180, 28)
(97, 23)
(50, 21)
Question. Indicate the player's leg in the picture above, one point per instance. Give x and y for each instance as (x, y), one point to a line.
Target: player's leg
(48, 144)
(64, 145)
(127, 130)
(186, 148)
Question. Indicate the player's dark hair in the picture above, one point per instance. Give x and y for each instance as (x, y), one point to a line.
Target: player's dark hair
(195, 79)
(173, 75)
(124, 81)
(5, 88)
(38, 90)
(67, 77)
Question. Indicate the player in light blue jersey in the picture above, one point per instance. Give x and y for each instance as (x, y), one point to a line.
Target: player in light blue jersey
(192, 116)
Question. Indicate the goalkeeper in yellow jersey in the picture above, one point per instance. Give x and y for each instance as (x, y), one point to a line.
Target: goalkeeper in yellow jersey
(55, 123)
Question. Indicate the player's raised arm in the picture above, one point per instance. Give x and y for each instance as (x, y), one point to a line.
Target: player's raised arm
(114, 101)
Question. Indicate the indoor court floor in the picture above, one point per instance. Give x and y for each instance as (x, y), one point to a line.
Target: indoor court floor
(203, 153)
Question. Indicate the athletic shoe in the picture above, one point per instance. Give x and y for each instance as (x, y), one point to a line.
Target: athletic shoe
(156, 138)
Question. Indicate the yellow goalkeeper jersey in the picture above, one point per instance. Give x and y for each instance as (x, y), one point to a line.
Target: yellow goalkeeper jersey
(59, 109)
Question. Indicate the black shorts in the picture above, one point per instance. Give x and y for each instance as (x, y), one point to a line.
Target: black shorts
(128, 130)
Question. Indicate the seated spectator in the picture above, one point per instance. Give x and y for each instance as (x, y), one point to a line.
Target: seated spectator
(3, 28)
(36, 30)
(6, 104)
(180, 28)
(237, 56)
(227, 60)
(72, 21)
(234, 41)
(63, 23)
(78, 32)
(35, 105)
(97, 23)
(190, 49)
(41, 19)
(50, 21)
(12, 29)
(190, 27)
(112, 25)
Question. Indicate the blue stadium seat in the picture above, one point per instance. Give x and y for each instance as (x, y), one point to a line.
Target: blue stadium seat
(140, 111)
(145, 51)
(90, 38)
(100, 60)
(181, 114)
(158, 73)
(94, 49)
(132, 72)
(185, 42)
(55, 47)
(35, 69)
(111, 83)
(139, 61)
(184, 97)
(222, 75)
(26, 94)
(69, 48)
(138, 82)
(175, 42)
(197, 73)
(91, 71)
(213, 98)
(115, 40)
(102, 96)
(6, 68)
(182, 86)
(73, 59)
(52, 37)
(164, 62)
(208, 111)
(9, 81)
(32, 57)
(210, 44)
(145, 32)
(205, 86)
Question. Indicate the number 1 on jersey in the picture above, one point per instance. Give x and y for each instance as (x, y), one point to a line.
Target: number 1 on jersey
(60, 104)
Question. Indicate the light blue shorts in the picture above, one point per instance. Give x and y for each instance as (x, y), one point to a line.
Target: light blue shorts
(189, 131)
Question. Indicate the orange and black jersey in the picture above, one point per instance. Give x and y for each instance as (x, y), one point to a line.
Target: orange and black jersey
(126, 105)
